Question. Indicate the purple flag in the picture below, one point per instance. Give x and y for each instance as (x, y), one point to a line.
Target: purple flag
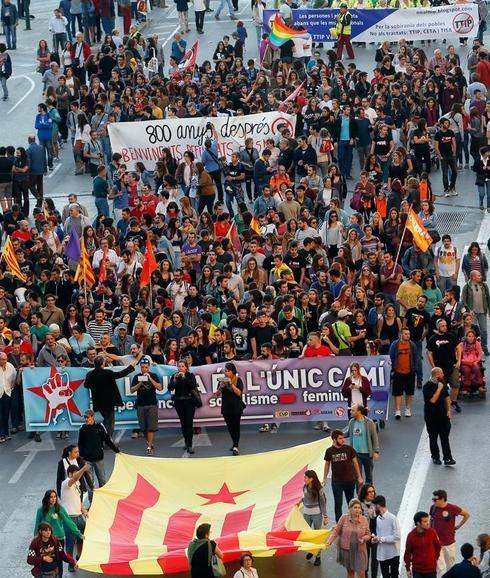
(72, 249)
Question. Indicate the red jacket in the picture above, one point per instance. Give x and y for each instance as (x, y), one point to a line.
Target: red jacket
(365, 390)
(422, 550)
(35, 557)
(74, 51)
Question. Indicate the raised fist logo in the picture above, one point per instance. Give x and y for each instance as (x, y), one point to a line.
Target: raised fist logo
(58, 393)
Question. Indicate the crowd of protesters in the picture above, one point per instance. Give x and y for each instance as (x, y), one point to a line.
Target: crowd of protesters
(324, 265)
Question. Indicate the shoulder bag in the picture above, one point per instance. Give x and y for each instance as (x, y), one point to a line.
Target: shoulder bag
(196, 397)
(217, 566)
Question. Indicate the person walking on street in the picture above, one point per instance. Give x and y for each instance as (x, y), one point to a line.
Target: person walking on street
(91, 437)
(422, 548)
(232, 405)
(146, 386)
(10, 20)
(183, 13)
(476, 297)
(443, 519)
(403, 356)
(364, 438)
(314, 507)
(8, 376)
(441, 352)
(343, 25)
(5, 69)
(183, 383)
(437, 416)
(37, 169)
(46, 553)
(71, 500)
(445, 145)
(346, 470)
(387, 539)
(104, 390)
(352, 532)
(44, 127)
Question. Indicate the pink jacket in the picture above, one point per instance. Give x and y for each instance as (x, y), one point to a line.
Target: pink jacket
(344, 528)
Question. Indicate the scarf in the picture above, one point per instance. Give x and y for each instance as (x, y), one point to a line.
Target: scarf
(193, 547)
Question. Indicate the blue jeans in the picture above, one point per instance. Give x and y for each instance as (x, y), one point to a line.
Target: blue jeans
(96, 469)
(102, 207)
(107, 24)
(367, 463)
(222, 5)
(3, 82)
(48, 147)
(5, 403)
(229, 203)
(484, 190)
(11, 36)
(345, 157)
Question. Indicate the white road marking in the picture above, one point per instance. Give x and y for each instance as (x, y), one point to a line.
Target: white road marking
(176, 29)
(55, 170)
(32, 448)
(26, 94)
(413, 489)
(119, 436)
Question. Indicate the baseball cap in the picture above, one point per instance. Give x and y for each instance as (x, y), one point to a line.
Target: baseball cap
(122, 326)
(145, 360)
(343, 313)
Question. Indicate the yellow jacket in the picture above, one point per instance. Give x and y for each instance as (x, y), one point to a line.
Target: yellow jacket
(343, 24)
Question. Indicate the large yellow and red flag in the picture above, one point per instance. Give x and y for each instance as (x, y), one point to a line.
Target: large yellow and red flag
(8, 254)
(84, 270)
(142, 520)
(420, 234)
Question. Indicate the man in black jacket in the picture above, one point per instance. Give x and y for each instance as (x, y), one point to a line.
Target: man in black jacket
(105, 394)
(91, 437)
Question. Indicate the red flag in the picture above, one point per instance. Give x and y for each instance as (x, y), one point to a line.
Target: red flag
(234, 238)
(188, 62)
(282, 107)
(149, 264)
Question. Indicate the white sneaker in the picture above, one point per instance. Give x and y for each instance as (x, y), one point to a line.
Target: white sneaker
(264, 428)
(318, 425)
(134, 435)
(398, 414)
(453, 193)
(408, 413)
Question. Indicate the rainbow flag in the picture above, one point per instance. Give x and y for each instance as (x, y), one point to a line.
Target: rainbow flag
(281, 32)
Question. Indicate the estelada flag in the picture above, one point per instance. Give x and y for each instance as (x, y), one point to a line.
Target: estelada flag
(188, 62)
(420, 234)
(8, 254)
(143, 519)
(149, 264)
(234, 237)
(84, 270)
(254, 225)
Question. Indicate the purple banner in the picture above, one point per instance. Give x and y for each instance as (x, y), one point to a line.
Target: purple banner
(287, 390)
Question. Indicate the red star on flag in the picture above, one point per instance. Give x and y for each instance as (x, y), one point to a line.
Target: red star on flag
(64, 393)
(224, 495)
